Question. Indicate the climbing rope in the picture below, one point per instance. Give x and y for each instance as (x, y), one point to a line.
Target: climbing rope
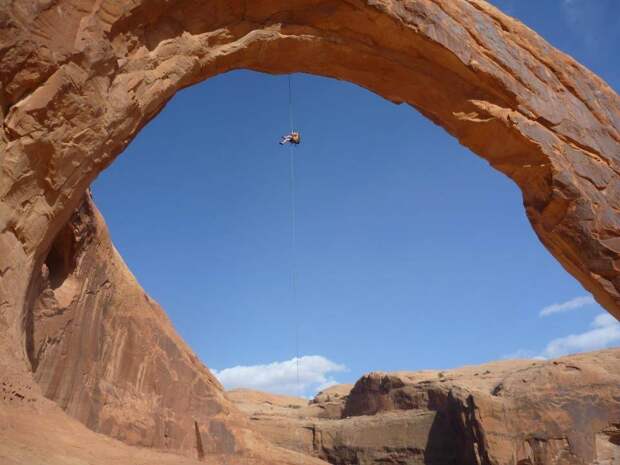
(294, 261)
(293, 233)
(290, 103)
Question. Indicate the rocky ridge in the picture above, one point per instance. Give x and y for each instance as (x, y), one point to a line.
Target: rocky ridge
(522, 412)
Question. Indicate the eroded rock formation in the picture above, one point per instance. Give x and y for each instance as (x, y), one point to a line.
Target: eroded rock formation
(560, 412)
(79, 78)
(106, 353)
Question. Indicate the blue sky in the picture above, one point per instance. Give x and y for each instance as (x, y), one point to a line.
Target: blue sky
(412, 252)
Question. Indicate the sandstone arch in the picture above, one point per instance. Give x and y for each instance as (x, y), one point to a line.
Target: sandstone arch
(80, 78)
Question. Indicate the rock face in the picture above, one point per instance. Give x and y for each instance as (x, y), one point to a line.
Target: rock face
(330, 402)
(80, 78)
(107, 354)
(560, 412)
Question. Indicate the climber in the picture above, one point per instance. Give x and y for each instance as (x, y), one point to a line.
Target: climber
(292, 138)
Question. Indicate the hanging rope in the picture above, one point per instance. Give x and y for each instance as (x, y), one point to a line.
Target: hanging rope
(294, 260)
(293, 234)
(290, 103)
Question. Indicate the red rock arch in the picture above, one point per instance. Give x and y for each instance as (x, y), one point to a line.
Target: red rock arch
(80, 78)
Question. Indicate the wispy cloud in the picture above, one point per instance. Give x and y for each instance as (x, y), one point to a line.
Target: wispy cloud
(604, 332)
(315, 373)
(572, 304)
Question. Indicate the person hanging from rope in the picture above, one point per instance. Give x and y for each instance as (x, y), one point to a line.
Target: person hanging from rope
(292, 138)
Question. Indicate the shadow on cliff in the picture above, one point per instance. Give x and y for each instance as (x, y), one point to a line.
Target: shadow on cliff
(48, 295)
(441, 448)
(455, 437)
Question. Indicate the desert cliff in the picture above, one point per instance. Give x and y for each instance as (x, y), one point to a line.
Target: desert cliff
(563, 412)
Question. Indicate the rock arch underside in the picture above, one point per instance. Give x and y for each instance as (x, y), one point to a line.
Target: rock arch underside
(78, 336)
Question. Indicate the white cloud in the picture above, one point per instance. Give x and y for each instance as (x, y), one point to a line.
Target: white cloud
(604, 332)
(572, 304)
(281, 377)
